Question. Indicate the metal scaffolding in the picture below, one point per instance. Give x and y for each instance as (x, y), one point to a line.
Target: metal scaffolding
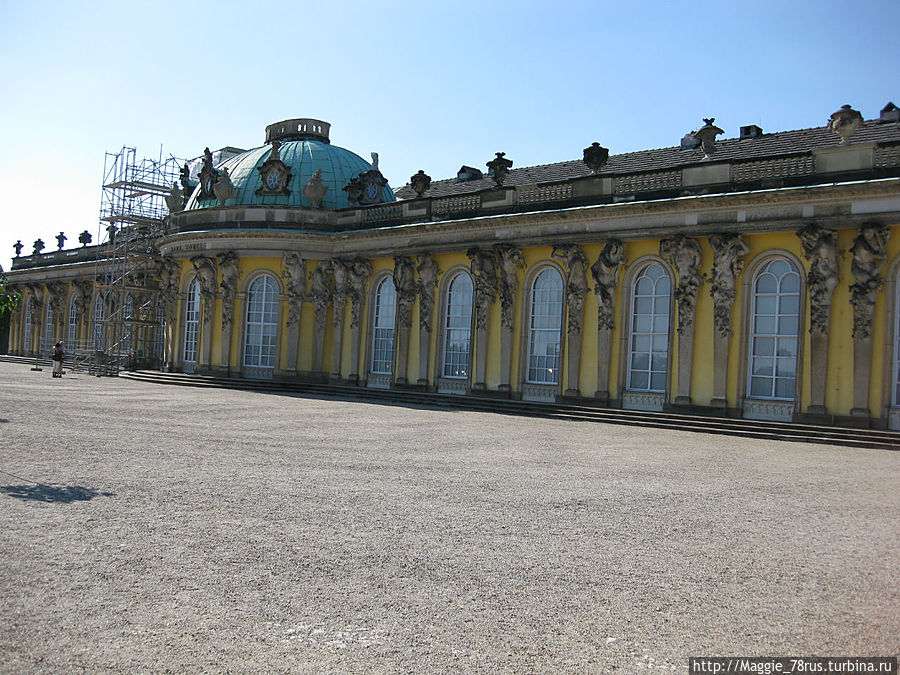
(128, 326)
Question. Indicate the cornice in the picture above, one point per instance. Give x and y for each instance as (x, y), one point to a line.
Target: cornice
(767, 210)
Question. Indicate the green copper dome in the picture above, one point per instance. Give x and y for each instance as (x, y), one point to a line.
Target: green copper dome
(303, 148)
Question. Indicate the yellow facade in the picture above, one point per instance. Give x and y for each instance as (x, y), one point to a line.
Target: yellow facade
(670, 220)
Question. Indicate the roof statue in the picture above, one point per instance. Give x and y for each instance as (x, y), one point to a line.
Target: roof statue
(499, 167)
(845, 122)
(707, 136)
(596, 157)
(315, 189)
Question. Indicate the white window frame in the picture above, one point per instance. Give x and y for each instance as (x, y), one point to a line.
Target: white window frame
(99, 316)
(458, 328)
(758, 355)
(49, 327)
(260, 349)
(191, 350)
(545, 318)
(72, 325)
(649, 339)
(28, 329)
(384, 317)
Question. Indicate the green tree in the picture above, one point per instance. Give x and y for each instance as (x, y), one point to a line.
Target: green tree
(9, 300)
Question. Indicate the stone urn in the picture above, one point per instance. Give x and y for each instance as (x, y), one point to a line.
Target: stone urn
(315, 189)
(224, 188)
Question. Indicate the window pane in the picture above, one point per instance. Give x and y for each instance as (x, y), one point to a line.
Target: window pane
(650, 327)
(545, 328)
(775, 325)
(784, 387)
(640, 380)
(764, 346)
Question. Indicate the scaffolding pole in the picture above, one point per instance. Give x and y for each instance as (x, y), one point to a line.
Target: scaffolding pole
(128, 326)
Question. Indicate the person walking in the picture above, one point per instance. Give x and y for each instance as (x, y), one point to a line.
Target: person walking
(59, 352)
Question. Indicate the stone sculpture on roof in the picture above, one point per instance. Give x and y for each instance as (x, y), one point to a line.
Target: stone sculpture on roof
(499, 167)
(707, 136)
(845, 122)
(315, 189)
(223, 188)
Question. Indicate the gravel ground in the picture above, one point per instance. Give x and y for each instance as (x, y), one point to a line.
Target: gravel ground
(185, 530)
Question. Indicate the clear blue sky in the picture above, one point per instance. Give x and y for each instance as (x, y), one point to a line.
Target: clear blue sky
(427, 85)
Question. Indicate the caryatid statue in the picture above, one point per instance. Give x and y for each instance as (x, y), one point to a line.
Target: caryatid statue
(341, 270)
(484, 272)
(294, 274)
(169, 272)
(404, 283)
(509, 260)
(321, 292)
(685, 255)
(728, 251)
(360, 271)
(869, 254)
(228, 263)
(820, 248)
(576, 284)
(428, 273)
(605, 273)
(206, 273)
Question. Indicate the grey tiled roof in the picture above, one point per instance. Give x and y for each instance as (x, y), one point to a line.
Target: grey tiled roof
(730, 149)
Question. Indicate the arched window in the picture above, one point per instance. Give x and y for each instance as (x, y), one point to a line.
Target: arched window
(261, 328)
(127, 325)
(191, 322)
(383, 327)
(26, 339)
(649, 344)
(545, 328)
(72, 326)
(774, 331)
(99, 315)
(49, 327)
(458, 327)
(896, 387)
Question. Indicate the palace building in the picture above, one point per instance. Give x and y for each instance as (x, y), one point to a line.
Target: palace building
(753, 276)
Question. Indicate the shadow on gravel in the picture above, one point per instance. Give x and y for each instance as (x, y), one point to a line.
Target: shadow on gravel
(62, 494)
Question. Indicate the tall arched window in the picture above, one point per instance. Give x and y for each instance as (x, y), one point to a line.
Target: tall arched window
(127, 336)
(383, 327)
(72, 325)
(99, 315)
(50, 328)
(649, 344)
(191, 322)
(774, 331)
(458, 327)
(545, 328)
(261, 328)
(896, 381)
(26, 339)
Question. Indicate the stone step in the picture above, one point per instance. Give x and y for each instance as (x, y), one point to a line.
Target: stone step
(867, 438)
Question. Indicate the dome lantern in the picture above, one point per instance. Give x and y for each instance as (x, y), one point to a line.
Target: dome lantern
(298, 129)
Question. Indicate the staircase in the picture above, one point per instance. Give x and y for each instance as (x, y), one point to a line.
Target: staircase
(778, 431)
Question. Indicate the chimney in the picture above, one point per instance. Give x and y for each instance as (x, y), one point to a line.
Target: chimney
(751, 131)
